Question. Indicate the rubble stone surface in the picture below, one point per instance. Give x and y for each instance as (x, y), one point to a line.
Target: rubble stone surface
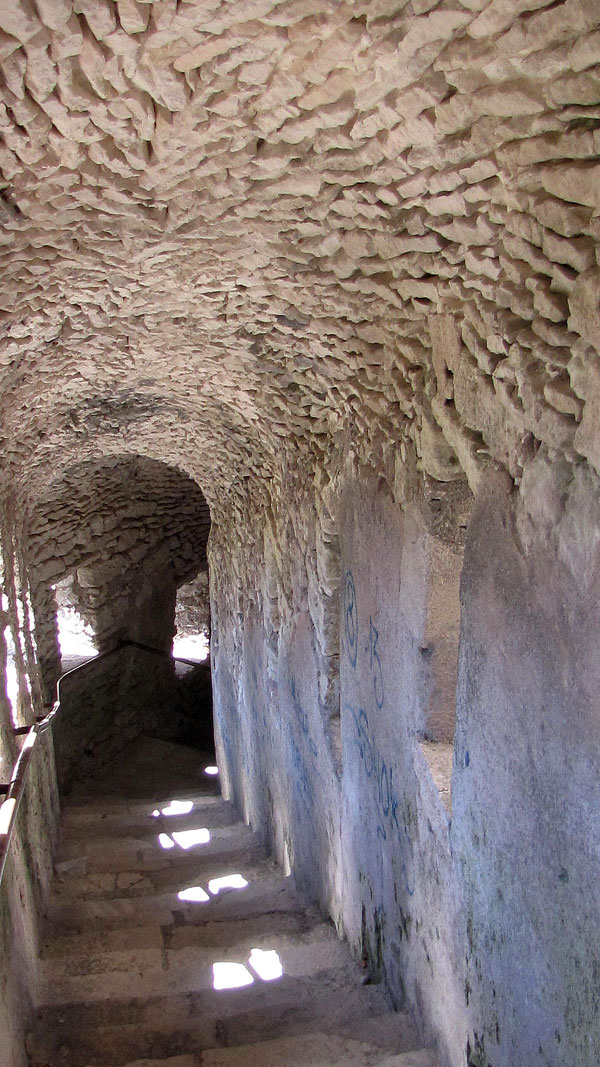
(335, 263)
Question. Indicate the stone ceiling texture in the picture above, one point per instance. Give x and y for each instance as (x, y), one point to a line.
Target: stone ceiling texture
(231, 228)
(115, 513)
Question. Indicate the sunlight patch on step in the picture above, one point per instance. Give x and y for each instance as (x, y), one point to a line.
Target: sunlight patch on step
(175, 807)
(188, 838)
(178, 807)
(185, 838)
(231, 976)
(227, 881)
(266, 964)
(195, 893)
(211, 771)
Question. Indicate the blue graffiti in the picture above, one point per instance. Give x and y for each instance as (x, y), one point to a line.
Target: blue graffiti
(352, 643)
(302, 718)
(350, 618)
(385, 793)
(376, 667)
(302, 778)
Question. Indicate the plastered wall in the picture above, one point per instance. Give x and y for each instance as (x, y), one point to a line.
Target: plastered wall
(483, 920)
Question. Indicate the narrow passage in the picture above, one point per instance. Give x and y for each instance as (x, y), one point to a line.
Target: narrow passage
(174, 941)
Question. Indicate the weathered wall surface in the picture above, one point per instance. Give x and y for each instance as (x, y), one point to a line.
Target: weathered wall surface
(28, 870)
(525, 828)
(484, 922)
(22, 899)
(275, 656)
(116, 699)
(402, 898)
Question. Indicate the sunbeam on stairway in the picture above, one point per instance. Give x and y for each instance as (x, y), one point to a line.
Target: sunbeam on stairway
(197, 954)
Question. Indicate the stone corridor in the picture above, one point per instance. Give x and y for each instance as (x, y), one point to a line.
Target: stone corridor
(300, 352)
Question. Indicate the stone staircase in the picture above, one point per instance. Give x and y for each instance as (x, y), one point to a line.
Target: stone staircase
(127, 968)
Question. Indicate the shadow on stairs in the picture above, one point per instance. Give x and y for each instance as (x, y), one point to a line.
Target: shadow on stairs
(174, 941)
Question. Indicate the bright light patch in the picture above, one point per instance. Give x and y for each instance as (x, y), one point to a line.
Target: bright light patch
(29, 741)
(266, 964)
(228, 881)
(231, 976)
(178, 807)
(6, 812)
(155, 813)
(75, 637)
(211, 771)
(165, 841)
(189, 838)
(194, 646)
(195, 893)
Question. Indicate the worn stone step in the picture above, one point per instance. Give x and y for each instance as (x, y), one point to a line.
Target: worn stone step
(309, 1050)
(116, 1031)
(148, 769)
(171, 1061)
(266, 893)
(144, 851)
(73, 946)
(183, 963)
(80, 823)
(127, 966)
(150, 873)
(314, 1050)
(115, 802)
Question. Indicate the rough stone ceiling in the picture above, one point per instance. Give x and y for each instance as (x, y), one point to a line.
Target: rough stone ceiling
(230, 224)
(125, 498)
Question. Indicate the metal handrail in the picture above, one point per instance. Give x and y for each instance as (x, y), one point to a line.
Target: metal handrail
(13, 792)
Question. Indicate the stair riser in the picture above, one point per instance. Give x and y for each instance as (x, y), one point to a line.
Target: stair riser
(161, 873)
(111, 827)
(261, 897)
(160, 971)
(210, 1023)
(69, 952)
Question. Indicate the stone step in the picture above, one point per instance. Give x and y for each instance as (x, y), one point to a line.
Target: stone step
(145, 852)
(127, 966)
(183, 963)
(266, 893)
(115, 805)
(314, 1050)
(150, 872)
(171, 1061)
(80, 823)
(310, 1050)
(83, 944)
(113, 1032)
(149, 769)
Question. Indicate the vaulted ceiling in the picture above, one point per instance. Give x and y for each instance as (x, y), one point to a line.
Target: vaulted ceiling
(232, 229)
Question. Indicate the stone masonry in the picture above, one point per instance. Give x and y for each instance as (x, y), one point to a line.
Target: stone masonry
(330, 268)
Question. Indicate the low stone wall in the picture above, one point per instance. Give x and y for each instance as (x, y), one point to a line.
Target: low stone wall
(117, 698)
